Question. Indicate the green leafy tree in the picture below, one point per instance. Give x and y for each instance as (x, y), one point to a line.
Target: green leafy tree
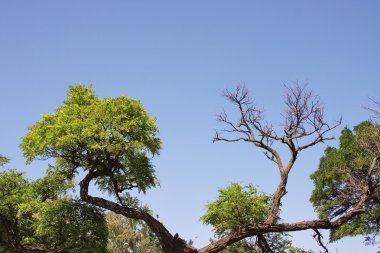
(111, 141)
(128, 235)
(110, 136)
(13, 192)
(347, 182)
(35, 216)
(299, 250)
(71, 226)
(238, 206)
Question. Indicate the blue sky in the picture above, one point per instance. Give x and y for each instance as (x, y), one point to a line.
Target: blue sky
(176, 57)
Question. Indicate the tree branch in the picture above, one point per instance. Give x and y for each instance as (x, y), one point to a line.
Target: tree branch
(169, 243)
(318, 236)
(304, 119)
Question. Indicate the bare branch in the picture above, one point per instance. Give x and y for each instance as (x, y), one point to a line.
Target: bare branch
(375, 110)
(250, 125)
(318, 236)
(304, 127)
(304, 118)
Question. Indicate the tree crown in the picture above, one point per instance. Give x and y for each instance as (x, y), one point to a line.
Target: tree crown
(110, 136)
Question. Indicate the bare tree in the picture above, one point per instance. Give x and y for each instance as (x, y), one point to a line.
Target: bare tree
(304, 126)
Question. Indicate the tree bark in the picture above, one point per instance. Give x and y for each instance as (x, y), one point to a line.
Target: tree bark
(169, 243)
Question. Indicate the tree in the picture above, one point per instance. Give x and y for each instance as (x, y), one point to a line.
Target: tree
(69, 225)
(128, 235)
(12, 191)
(235, 207)
(276, 241)
(111, 141)
(348, 180)
(36, 216)
(238, 206)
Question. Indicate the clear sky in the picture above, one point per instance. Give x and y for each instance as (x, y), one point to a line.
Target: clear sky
(176, 57)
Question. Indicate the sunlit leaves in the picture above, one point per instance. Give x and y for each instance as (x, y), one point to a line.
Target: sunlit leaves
(71, 225)
(38, 213)
(112, 135)
(236, 206)
(344, 177)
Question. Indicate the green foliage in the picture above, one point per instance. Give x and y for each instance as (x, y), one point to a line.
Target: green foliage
(110, 135)
(71, 226)
(3, 160)
(53, 185)
(243, 246)
(37, 213)
(339, 181)
(236, 206)
(128, 235)
(299, 250)
(278, 242)
(14, 191)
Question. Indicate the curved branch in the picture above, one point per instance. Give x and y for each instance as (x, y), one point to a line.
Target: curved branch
(318, 236)
(304, 122)
(170, 243)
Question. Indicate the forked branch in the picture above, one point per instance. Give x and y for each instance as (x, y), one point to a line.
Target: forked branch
(304, 126)
(375, 109)
(318, 237)
(250, 126)
(305, 123)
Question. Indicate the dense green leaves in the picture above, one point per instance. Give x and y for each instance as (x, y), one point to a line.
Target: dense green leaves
(111, 136)
(37, 213)
(71, 226)
(236, 206)
(342, 179)
(53, 185)
(14, 192)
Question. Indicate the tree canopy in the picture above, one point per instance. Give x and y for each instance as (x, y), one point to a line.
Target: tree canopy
(237, 206)
(110, 142)
(110, 136)
(347, 178)
(39, 213)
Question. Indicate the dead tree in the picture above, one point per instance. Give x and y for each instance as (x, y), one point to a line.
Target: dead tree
(304, 126)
